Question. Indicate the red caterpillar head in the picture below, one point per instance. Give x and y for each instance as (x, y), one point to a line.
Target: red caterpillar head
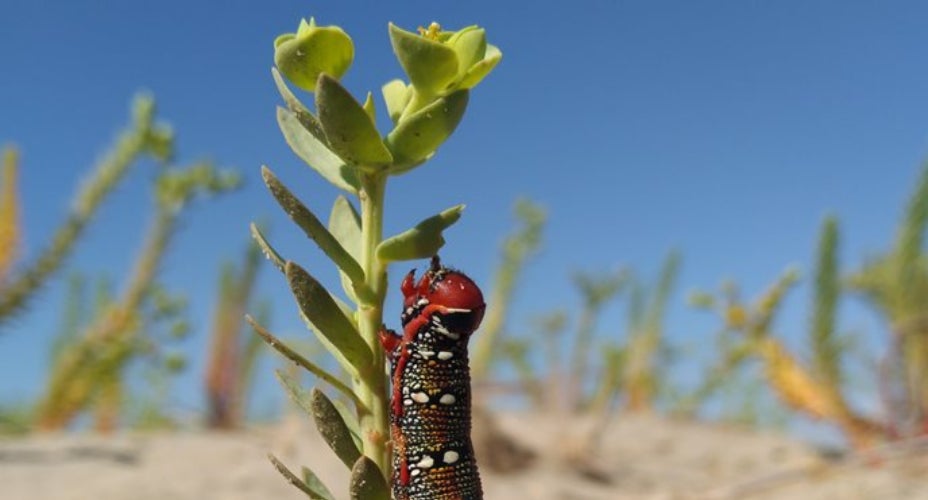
(446, 291)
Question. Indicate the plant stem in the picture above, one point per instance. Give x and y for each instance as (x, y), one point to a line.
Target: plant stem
(372, 388)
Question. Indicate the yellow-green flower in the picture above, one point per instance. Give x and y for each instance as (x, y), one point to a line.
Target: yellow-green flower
(311, 51)
(441, 62)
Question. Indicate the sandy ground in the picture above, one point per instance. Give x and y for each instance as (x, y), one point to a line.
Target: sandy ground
(631, 458)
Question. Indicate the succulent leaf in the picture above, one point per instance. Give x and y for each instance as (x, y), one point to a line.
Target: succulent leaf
(326, 316)
(367, 482)
(396, 95)
(316, 153)
(431, 65)
(419, 135)
(333, 429)
(315, 493)
(422, 241)
(349, 128)
(314, 228)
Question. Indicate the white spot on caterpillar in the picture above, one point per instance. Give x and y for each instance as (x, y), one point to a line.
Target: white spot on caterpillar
(447, 399)
(450, 457)
(420, 397)
(444, 331)
(422, 302)
(445, 355)
(415, 472)
(426, 462)
(407, 402)
(456, 310)
(428, 354)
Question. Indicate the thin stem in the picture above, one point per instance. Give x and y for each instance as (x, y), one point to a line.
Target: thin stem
(372, 388)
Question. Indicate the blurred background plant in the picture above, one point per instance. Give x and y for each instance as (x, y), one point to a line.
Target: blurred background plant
(89, 371)
(597, 371)
(140, 139)
(233, 352)
(634, 373)
(895, 285)
(102, 340)
(515, 252)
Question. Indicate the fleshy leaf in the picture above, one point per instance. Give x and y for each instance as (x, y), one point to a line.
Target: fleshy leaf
(370, 107)
(345, 226)
(286, 37)
(351, 421)
(316, 154)
(306, 117)
(333, 429)
(396, 95)
(316, 484)
(312, 51)
(350, 130)
(266, 247)
(367, 482)
(314, 493)
(478, 71)
(420, 134)
(422, 241)
(294, 391)
(313, 228)
(431, 65)
(331, 323)
(276, 344)
(470, 44)
(329, 346)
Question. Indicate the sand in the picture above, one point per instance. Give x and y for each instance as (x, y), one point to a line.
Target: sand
(640, 457)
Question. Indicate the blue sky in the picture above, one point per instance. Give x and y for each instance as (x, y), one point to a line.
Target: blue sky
(725, 129)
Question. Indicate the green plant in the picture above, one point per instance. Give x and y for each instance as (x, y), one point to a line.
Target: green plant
(543, 388)
(142, 138)
(164, 323)
(896, 285)
(517, 248)
(231, 360)
(341, 142)
(88, 371)
(595, 291)
(644, 348)
(815, 388)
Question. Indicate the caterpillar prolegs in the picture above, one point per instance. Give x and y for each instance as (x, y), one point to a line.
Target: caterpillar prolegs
(433, 458)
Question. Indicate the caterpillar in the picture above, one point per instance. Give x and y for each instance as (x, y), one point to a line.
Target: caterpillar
(430, 403)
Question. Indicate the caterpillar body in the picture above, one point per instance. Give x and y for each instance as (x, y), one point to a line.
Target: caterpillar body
(430, 416)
